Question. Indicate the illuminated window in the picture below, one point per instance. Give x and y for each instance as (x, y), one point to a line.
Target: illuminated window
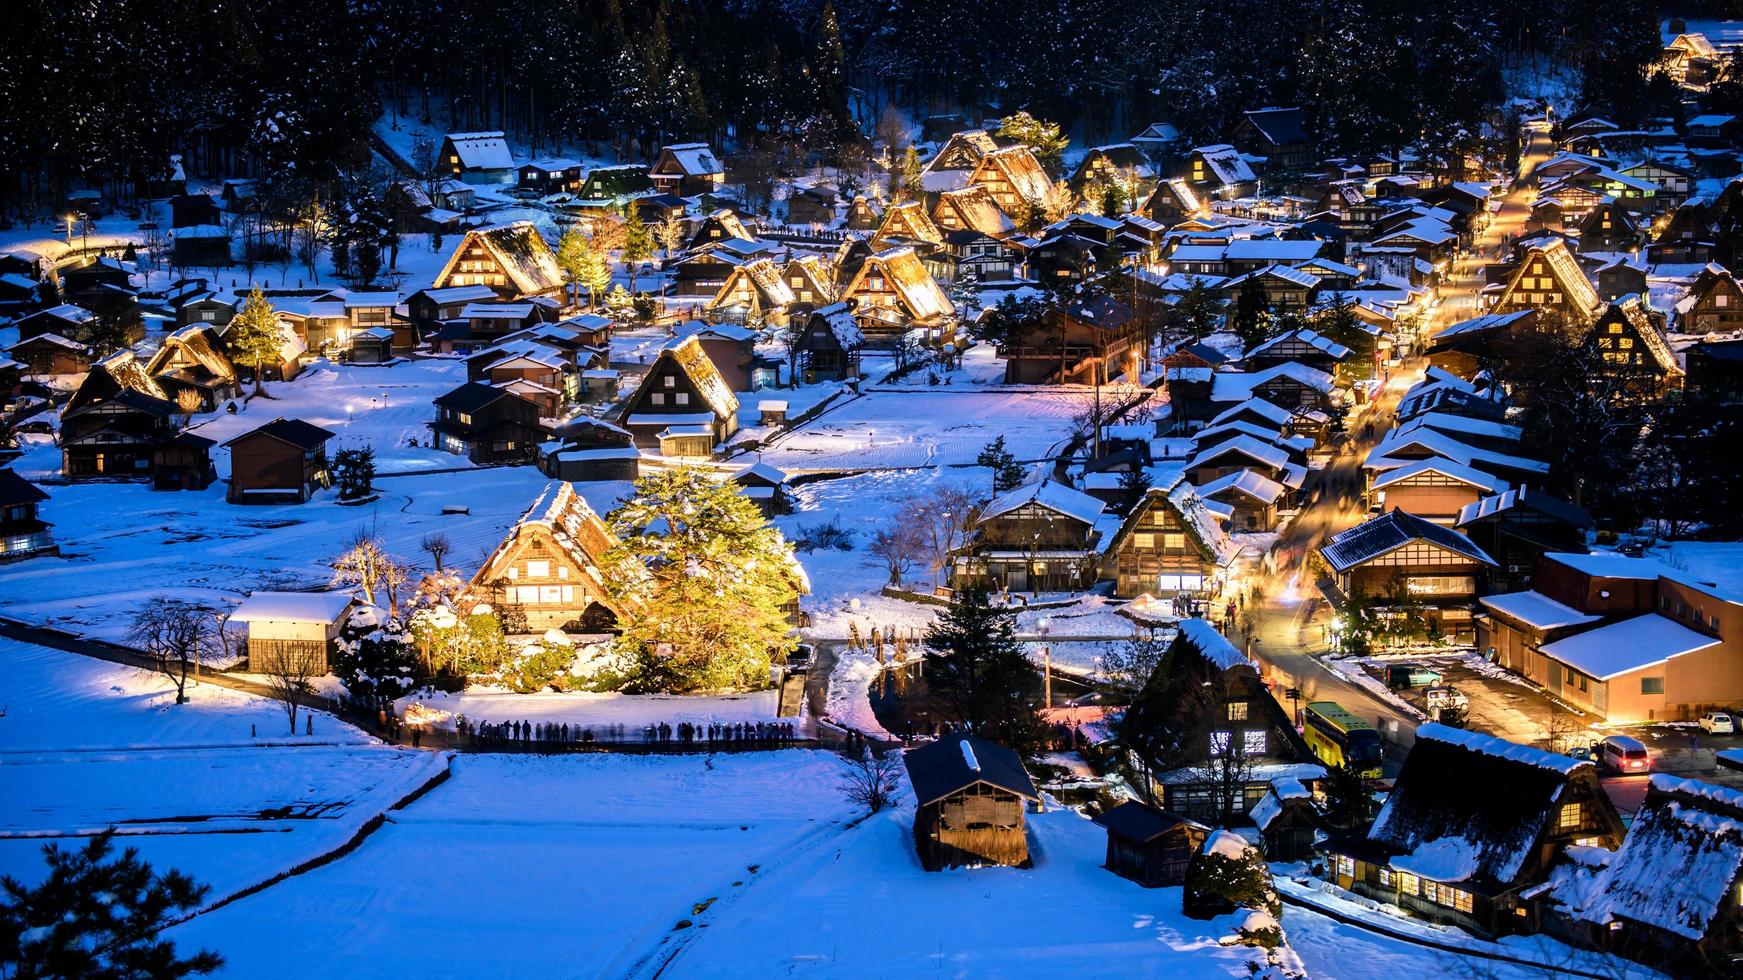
(1253, 742)
(1346, 866)
(1431, 891)
(1173, 541)
(1407, 883)
(669, 381)
(1143, 540)
(1237, 711)
(538, 569)
(1219, 742)
(1385, 877)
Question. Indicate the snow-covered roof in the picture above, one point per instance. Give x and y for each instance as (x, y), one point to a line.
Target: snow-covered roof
(1537, 610)
(1255, 485)
(482, 151)
(1609, 564)
(1393, 530)
(1284, 788)
(291, 607)
(1445, 467)
(1056, 497)
(1678, 863)
(1616, 649)
(1226, 164)
(1248, 446)
(1448, 859)
(1211, 645)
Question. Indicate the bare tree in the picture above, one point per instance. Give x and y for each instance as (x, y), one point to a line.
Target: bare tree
(289, 670)
(670, 234)
(174, 634)
(900, 546)
(943, 523)
(438, 547)
(366, 564)
(870, 781)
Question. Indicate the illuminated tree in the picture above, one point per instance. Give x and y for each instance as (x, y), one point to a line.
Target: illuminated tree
(255, 337)
(703, 581)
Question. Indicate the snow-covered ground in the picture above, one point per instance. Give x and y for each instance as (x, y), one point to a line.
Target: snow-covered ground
(739, 865)
(216, 787)
(932, 427)
(123, 544)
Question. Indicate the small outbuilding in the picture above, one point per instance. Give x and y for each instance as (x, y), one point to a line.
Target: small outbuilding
(1151, 847)
(971, 795)
(1287, 821)
(294, 632)
(284, 460)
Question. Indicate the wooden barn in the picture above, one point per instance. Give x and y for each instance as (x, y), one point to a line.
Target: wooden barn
(972, 796)
(50, 353)
(1672, 895)
(894, 293)
(1040, 537)
(687, 169)
(1151, 847)
(1170, 547)
(487, 424)
(477, 158)
(1549, 279)
(1433, 563)
(296, 632)
(23, 534)
(545, 573)
(284, 460)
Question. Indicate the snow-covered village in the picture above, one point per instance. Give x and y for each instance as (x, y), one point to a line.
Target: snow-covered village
(638, 489)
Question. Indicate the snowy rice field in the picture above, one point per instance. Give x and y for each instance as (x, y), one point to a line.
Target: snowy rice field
(215, 787)
(937, 427)
(571, 866)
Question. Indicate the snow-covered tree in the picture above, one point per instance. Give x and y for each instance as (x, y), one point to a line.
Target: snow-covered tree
(704, 583)
(255, 337)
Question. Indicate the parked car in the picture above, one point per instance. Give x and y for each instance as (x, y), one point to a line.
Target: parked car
(1718, 723)
(1411, 675)
(1623, 754)
(1582, 752)
(1442, 696)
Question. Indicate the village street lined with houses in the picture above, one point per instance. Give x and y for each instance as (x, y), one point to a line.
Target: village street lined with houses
(771, 497)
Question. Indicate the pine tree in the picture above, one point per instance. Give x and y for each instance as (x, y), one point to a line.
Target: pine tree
(910, 173)
(1349, 803)
(978, 670)
(255, 337)
(98, 917)
(1043, 138)
(1007, 473)
(1200, 309)
(1134, 487)
(638, 243)
(704, 583)
(574, 252)
(1251, 320)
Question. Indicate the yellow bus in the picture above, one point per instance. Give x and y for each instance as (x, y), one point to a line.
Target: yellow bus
(1338, 737)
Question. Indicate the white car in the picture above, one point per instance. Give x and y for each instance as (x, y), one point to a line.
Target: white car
(1718, 723)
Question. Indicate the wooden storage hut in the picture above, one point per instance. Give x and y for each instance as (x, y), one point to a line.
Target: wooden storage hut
(971, 795)
(1150, 846)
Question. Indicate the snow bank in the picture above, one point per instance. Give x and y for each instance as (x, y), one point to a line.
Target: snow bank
(849, 699)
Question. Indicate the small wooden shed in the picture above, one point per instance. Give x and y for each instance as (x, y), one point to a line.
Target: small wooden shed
(971, 795)
(1287, 821)
(1151, 847)
(292, 631)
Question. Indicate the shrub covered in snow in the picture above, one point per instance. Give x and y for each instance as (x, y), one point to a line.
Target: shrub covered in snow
(1227, 874)
(374, 656)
